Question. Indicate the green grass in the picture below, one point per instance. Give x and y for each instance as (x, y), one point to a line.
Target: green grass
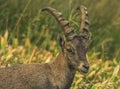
(28, 35)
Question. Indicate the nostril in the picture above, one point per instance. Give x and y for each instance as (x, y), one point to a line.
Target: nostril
(85, 66)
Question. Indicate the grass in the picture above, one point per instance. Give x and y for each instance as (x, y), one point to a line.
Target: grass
(29, 36)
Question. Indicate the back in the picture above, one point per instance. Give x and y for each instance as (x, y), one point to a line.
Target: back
(30, 76)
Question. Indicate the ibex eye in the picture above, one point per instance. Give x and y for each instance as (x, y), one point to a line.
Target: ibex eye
(70, 50)
(85, 36)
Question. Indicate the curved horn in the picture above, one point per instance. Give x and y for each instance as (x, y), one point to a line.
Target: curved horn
(64, 23)
(84, 29)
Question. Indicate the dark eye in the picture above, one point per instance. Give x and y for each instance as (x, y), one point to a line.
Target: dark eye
(70, 50)
(85, 37)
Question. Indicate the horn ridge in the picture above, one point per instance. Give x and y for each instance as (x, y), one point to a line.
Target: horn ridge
(58, 15)
(84, 27)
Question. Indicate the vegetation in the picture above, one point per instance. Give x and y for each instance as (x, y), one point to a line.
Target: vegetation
(28, 36)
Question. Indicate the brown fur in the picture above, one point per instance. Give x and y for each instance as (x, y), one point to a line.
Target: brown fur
(54, 75)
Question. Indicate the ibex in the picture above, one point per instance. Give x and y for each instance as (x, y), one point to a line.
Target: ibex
(59, 73)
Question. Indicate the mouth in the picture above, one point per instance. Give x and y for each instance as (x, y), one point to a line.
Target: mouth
(85, 71)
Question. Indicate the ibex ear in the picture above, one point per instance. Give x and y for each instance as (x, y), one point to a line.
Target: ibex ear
(61, 41)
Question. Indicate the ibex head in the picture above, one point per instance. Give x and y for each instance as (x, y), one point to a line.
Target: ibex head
(75, 46)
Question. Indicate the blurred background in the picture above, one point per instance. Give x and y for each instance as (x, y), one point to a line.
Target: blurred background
(28, 35)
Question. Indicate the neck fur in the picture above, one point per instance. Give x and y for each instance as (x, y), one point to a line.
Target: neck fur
(62, 73)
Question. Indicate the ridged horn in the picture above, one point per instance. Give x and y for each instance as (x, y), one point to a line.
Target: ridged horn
(63, 23)
(84, 27)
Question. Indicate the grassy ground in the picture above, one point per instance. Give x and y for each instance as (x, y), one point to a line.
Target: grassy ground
(28, 36)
